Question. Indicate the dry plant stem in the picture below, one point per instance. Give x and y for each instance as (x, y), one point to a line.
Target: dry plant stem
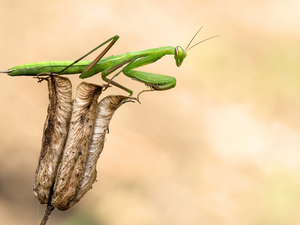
(75, 153)
(48, 211)
(54, 136)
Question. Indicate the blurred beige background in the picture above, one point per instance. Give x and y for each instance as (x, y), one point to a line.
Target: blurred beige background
(222, 148)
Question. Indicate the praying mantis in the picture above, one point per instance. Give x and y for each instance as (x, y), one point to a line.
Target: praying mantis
(129, 61)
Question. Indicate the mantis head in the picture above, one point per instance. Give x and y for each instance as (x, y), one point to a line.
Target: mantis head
(181, 53)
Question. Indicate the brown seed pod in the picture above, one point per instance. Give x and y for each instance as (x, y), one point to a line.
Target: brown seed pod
(75, 153)
(105, 111)
(54, 138)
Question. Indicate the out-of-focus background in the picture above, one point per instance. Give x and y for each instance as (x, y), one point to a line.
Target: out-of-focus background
(221, 148)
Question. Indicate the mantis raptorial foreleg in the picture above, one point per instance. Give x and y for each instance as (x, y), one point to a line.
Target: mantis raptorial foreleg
(155, 81)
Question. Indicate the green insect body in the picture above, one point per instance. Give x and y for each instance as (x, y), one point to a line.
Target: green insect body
(32, 69)
(128, 62)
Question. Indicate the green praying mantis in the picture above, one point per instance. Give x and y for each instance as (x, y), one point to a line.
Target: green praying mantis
(129, 61)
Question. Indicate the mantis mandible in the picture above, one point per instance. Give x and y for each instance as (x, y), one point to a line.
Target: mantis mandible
(129, 61)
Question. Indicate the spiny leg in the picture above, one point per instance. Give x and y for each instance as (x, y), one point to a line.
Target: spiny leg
(156, 82)
(138, 61)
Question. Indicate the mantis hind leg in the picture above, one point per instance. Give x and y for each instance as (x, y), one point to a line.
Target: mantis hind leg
(88, 72)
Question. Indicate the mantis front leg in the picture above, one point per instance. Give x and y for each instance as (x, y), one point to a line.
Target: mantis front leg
(155, 81)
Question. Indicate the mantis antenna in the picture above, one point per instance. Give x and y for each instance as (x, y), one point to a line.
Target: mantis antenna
(188, 48)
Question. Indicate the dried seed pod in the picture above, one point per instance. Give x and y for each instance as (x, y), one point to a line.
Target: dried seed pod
(54, 138)
(75, 153)
(105, 111)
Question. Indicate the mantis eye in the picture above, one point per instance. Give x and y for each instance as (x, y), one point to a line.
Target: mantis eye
(179, 55)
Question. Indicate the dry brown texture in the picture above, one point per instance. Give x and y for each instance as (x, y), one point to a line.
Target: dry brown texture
(76, 150)
(72, 159)
(54, 138)
(105, 111)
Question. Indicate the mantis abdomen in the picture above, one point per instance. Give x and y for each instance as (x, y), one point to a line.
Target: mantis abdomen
(49, 67)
